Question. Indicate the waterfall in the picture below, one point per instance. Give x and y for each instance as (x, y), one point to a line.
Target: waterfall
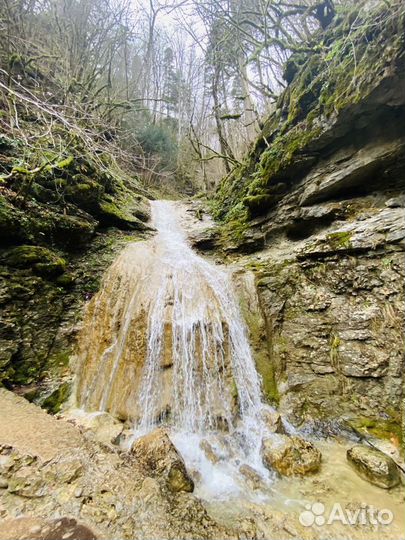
(165, 342)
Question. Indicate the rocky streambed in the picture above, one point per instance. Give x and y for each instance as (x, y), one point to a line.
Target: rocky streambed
(69, 476)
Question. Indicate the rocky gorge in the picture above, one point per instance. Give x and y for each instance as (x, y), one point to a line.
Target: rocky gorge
(216, 367)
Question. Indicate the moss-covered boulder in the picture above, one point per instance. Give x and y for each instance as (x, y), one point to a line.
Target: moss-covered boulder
(43, 261)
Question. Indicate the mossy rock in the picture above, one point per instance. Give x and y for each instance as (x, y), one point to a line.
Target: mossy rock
(293, 66)
(65, 280)
(113, 216)
(340, 240)
(331, 86)
(84, 192)
(11, 222)
(54, 402)
(43, 261)
(258, 204)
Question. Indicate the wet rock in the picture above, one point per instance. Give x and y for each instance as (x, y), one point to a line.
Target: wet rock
(157, 455)
(273, 421)
(209, 452)
(374, 466)
(253, 478)
(290, 455)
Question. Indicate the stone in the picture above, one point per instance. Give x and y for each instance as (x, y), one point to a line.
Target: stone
(157, 454)
(209, 451)
(205, 240)
(27, 482)
(336, 175)
(273, 421)
(290, 456)
(252, 477)
(103, 427)
(374, 466)
(396, 202)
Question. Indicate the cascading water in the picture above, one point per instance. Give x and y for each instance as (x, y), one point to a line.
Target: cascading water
(165, 342)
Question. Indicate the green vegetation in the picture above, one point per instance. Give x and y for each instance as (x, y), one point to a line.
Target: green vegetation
(54, 402)
(382, 428)
(340, 240)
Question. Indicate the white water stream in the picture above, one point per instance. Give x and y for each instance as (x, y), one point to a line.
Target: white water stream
(212, 362)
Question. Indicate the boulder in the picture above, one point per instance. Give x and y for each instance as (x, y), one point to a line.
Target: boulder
(157, 454)
(290, 455)
(374, 466)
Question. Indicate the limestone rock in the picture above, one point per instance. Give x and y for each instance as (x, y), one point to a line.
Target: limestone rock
(290, 455)
(157, 455)
(273, 421)
(100, 426)
(252, 477)
(206, 239)
(333, 177)
(374, 466)
(209, 451)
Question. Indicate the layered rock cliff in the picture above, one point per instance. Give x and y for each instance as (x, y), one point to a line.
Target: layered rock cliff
(318, 207)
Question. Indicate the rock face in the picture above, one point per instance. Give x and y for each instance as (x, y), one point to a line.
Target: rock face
(157, 454)
(54, 248)
(290, 456)
(374, 466)
(324, 189)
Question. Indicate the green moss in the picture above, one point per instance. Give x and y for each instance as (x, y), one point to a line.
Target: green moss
(43, 261)
(257, 204)
(113, 215)
(65, 280)
(388, 428)
(340, 240)
(59, 360)
(54, 402)
(65, 163)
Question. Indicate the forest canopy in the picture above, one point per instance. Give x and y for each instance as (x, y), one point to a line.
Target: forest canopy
(176, 90)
